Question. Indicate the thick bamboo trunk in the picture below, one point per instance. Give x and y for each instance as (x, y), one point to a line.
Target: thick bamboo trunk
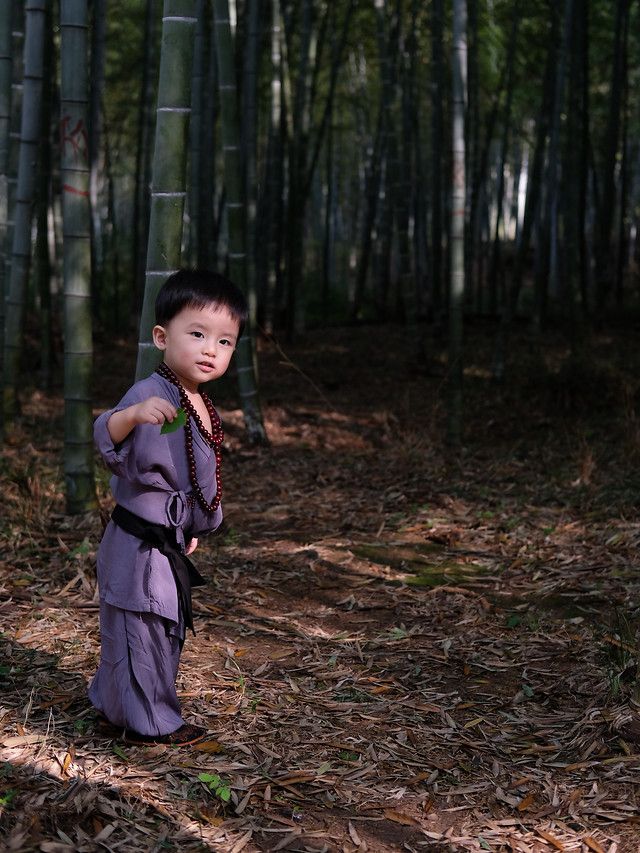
(78, 357)
(6, 71)
(458, 216)
(168, 191)
(23, 211)
(236, 216)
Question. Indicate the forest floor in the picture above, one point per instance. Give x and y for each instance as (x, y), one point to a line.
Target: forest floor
(399, 647)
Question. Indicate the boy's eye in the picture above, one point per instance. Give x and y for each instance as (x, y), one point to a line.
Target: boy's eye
(225, 342)
(197, 334)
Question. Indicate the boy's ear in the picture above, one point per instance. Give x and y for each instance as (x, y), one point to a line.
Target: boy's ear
(160, 337)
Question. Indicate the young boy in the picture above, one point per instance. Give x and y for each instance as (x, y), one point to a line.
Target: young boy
(167, 489)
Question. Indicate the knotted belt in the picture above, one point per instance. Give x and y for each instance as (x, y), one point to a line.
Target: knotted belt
(164, 540)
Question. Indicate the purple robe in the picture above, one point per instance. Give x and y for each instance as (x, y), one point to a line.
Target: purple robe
(141, 628)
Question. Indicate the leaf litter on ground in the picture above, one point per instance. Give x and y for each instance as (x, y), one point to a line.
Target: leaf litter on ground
(396, 649)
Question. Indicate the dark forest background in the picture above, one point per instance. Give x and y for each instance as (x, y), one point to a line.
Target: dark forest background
(320, 144)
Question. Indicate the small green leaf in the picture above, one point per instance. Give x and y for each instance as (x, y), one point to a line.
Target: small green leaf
(119, 752)
(171, 426)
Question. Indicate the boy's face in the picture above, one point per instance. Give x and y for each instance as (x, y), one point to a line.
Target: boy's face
(198, 344)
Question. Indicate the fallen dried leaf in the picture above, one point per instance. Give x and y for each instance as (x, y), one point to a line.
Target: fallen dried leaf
(354, 835)
(592, 844)
(550, 838)
(242, 842)
(21, 740)
(282, 653)
(399, 817)
(525, 802)
(208, 746)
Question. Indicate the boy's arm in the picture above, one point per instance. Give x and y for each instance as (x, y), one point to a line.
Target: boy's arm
(155, 410)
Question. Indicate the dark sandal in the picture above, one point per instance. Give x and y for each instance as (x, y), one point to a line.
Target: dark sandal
(184, 736)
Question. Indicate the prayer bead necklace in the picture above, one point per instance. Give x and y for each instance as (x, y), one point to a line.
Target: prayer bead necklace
(214, 439)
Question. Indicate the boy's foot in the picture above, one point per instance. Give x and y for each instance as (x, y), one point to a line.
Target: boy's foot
(184, 736)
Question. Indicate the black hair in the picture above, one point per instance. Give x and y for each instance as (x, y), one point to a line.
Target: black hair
(195, 288)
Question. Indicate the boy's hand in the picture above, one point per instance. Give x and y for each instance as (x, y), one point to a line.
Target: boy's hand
(191, 547)
(154, 410)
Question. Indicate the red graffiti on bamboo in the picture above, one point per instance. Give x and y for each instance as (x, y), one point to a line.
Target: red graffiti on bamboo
(458, 176)
(73, 190)
(75, 137)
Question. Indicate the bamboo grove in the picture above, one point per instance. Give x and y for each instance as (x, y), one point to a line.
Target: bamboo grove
(367, 160)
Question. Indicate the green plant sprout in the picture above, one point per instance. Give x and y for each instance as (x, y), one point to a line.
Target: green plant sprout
(348, 756)
(240, 675)
(7, 798)
(231, 537)
(81, 550)
(219, 787)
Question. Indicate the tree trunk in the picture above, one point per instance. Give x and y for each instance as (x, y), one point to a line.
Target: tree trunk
(547, 273)
(23, 213)
(236, 215)
(575, 171)
(372, 182)
(6, 68)
(141, 201)
(437, 136)
(420, 246)
(274, 176)
(495, 269)
(95, 122)
(44, 272)
(197, 152)
(624, 199)
(298, 116)
(17, 81)
(328, 243)
(605, 218)
(249, 125)
(405, 183)
(78, 358)
(168, 190)
(531, 206)
(387, 39)
(398, 109)
(473, 290)
(208, 217)
(458, 216)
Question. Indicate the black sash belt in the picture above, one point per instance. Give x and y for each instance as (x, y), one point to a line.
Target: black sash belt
(164, 540)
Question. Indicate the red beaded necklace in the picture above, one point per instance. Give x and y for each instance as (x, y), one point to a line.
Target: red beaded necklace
(214, 439)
